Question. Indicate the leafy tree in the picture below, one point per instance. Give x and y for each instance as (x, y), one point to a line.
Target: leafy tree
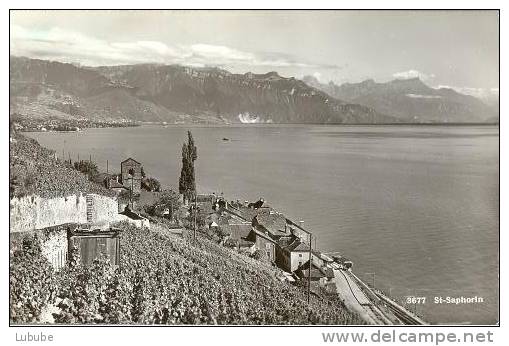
(87, 167)
(151, 184)
(187, 183)
(168, 199)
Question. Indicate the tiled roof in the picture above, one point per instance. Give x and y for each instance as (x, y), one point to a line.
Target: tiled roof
(240, 243)
(237, 231)
(247, 213)
(298, 245)
(256, 233)
(316, 272)
(115, 184)
(129, 159)
(219, 219)
(322, 256)
(273, 223)
(131, 215)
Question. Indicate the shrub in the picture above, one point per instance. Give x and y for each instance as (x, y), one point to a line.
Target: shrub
(167, 199)
(257, 255)
(151, 184)
(31, 282)
(86, 167)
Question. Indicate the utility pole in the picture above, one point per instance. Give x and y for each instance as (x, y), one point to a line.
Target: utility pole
(106, 166)
(195, 212)
(132, 186)
(309, 267)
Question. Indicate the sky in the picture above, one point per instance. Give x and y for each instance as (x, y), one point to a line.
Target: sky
(458, 49)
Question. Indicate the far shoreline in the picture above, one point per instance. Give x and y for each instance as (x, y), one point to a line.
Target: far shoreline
(261, 125)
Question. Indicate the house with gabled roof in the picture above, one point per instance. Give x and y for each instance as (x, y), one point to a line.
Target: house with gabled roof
(130, 171)
(322, 275)
(264, 243)
(291, 253)
(272, 224)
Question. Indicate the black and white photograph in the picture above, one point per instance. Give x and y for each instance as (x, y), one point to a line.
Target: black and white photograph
(270, 167)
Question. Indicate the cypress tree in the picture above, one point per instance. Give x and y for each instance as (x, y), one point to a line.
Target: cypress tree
(187, 183)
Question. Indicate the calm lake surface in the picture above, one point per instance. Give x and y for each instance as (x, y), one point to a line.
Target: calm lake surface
(416, 205)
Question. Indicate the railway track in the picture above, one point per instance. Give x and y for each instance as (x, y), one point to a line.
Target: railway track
(405, 316)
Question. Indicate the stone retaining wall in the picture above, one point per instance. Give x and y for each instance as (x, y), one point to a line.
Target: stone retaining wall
(34, 212)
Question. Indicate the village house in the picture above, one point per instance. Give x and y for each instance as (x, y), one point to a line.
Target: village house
(130, 171)
(317, 274)
(267, 230)
(321, 259)
(272, 224)
(114, 185)
(109, 181)
(291, 253)
(241, 245)
(236, 230)
(280, 240)
(249, 210)
(135, 218)
(264, 243)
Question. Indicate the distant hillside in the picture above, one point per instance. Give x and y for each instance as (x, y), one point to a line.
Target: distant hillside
(44, 89)
(410, 100)
(152, 92)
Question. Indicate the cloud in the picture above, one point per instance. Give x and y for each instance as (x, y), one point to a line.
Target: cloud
(68, 46)
(413, 74)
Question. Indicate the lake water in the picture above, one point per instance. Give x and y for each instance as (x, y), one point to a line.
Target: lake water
(417, 206)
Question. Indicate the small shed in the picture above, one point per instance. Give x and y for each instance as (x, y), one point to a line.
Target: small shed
(94, 244)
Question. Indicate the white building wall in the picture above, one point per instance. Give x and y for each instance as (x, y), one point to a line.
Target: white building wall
(34, 212)
(297, 261)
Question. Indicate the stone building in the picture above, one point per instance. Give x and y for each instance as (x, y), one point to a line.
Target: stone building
(130, 171)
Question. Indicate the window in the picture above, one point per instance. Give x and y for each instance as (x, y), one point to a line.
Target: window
(300, 255)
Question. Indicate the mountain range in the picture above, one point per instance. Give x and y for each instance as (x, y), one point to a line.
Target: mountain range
(411, 100)
(41, 89)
